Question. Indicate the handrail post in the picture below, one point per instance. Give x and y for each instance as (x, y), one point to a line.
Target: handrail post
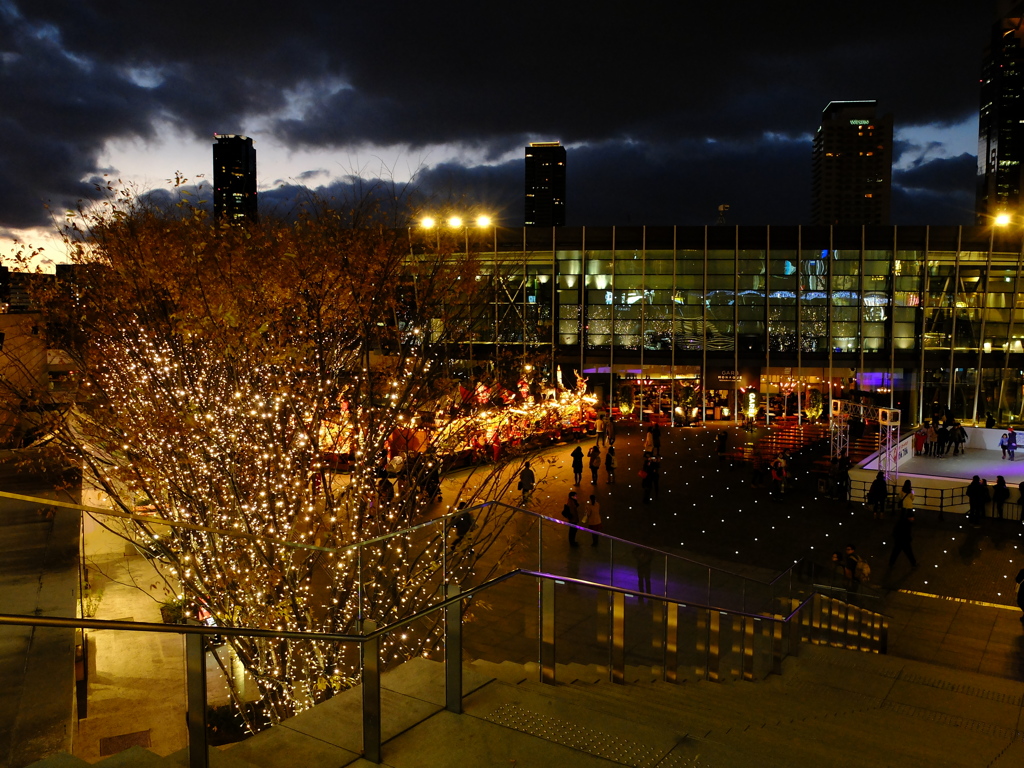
(195, 686)
(453, 652)
(369, 653)
(546, 612)
(617, 639)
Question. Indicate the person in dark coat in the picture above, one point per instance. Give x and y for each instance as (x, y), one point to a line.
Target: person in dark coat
(877, 495)
(577, 465)
(902, 536)
(975, 503)
(656, 434)
(1019, 580)
(594, 456)
(1000, 493)
(571, 512)
(610, 463)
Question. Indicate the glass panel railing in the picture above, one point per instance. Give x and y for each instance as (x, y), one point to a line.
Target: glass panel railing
(689, 581)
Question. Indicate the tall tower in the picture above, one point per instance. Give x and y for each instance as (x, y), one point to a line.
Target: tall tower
(1001, 121)
(234, 178)
(545, 184)
(852, 166)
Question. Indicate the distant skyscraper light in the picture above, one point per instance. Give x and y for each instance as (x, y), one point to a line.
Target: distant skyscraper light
(234, 178)
(545, 184)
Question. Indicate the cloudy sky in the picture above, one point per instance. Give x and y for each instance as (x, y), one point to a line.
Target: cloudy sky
(667, 112)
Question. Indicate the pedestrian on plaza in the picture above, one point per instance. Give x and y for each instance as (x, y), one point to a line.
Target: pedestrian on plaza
(1000, 493)
(1004, 443)
(1018, 581)
(594, 454)
(857, 570)
(527, 482)
(779, 477)
(931, 442)
(975, 502)
(646, 480)
(877, 495)
(906, 498)
(571, 512)
(609, 429)
(902, 538)
(577, 465)
(602, 438)
(643, 557)
(592, 518)
(610, 463)
(656, 434)
(1011, 444)
(649, 441)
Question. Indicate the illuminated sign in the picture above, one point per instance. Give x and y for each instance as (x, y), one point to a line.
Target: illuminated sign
(859, 122)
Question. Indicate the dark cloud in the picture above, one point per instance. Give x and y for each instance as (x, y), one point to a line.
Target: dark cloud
(644, 87)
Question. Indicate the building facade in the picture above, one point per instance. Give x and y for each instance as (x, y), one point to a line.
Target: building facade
(545, 185)
(924, 319)
(1001, 121)
(852, 165)
(234, 178)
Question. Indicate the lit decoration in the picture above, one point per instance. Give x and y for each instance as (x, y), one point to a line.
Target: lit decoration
(288, 391)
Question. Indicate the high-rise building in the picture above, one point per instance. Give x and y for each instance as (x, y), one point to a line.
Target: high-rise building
(1001, 120)
(234, 178)
(545, 184)
(852, 167)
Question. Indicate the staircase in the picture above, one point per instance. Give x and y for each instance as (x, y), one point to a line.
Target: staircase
(830, 707)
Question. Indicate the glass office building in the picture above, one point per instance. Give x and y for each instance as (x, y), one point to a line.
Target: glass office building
(925, 319)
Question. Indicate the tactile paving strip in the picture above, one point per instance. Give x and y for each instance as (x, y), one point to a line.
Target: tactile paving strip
(575, 736)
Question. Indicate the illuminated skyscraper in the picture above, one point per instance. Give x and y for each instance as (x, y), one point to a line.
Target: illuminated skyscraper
(234, 178)
(1001, 120)
(545, 184)
(852, 167)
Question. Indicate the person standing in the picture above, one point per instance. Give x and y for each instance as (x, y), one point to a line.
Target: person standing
(527, 482)
(877, 495)
(610, 463)
(902, 538)
(1000, 493)
(649, 441)
(645, 479)
(941, 440)
(1011, 442)
(1004, 443)
(577, 465)
(906, 497)
(656, 434)
(571, 512)
(990, 421)
(594, 455)
(919, 440)
(592, 518)
(655, 475)
(599, 425)
(609, 429)
(643, 558)
(932, 441)
(975, 508)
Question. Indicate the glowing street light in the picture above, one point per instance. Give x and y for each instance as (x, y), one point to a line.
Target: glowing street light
(428, 222)
(1002, 219)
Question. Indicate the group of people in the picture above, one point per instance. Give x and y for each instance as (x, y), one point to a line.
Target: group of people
(594, 462)
(587, 515)
(979, 494)
(938, 438)
(1008, 443)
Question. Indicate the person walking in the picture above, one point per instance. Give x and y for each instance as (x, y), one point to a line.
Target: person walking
(610, 463)
(902, 538)
(527, 482)
(877, 495)
(577, 465)
(1000, 493)
(609, 429)
(592, 518)
(594, 455)
(571, 512)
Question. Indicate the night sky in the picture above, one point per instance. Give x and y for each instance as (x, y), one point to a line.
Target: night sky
(667, 112)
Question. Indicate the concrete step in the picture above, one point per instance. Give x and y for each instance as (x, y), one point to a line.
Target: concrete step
(133, 757)
(60, 760)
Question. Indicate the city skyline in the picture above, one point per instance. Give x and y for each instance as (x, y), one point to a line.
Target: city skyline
(693, 110)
